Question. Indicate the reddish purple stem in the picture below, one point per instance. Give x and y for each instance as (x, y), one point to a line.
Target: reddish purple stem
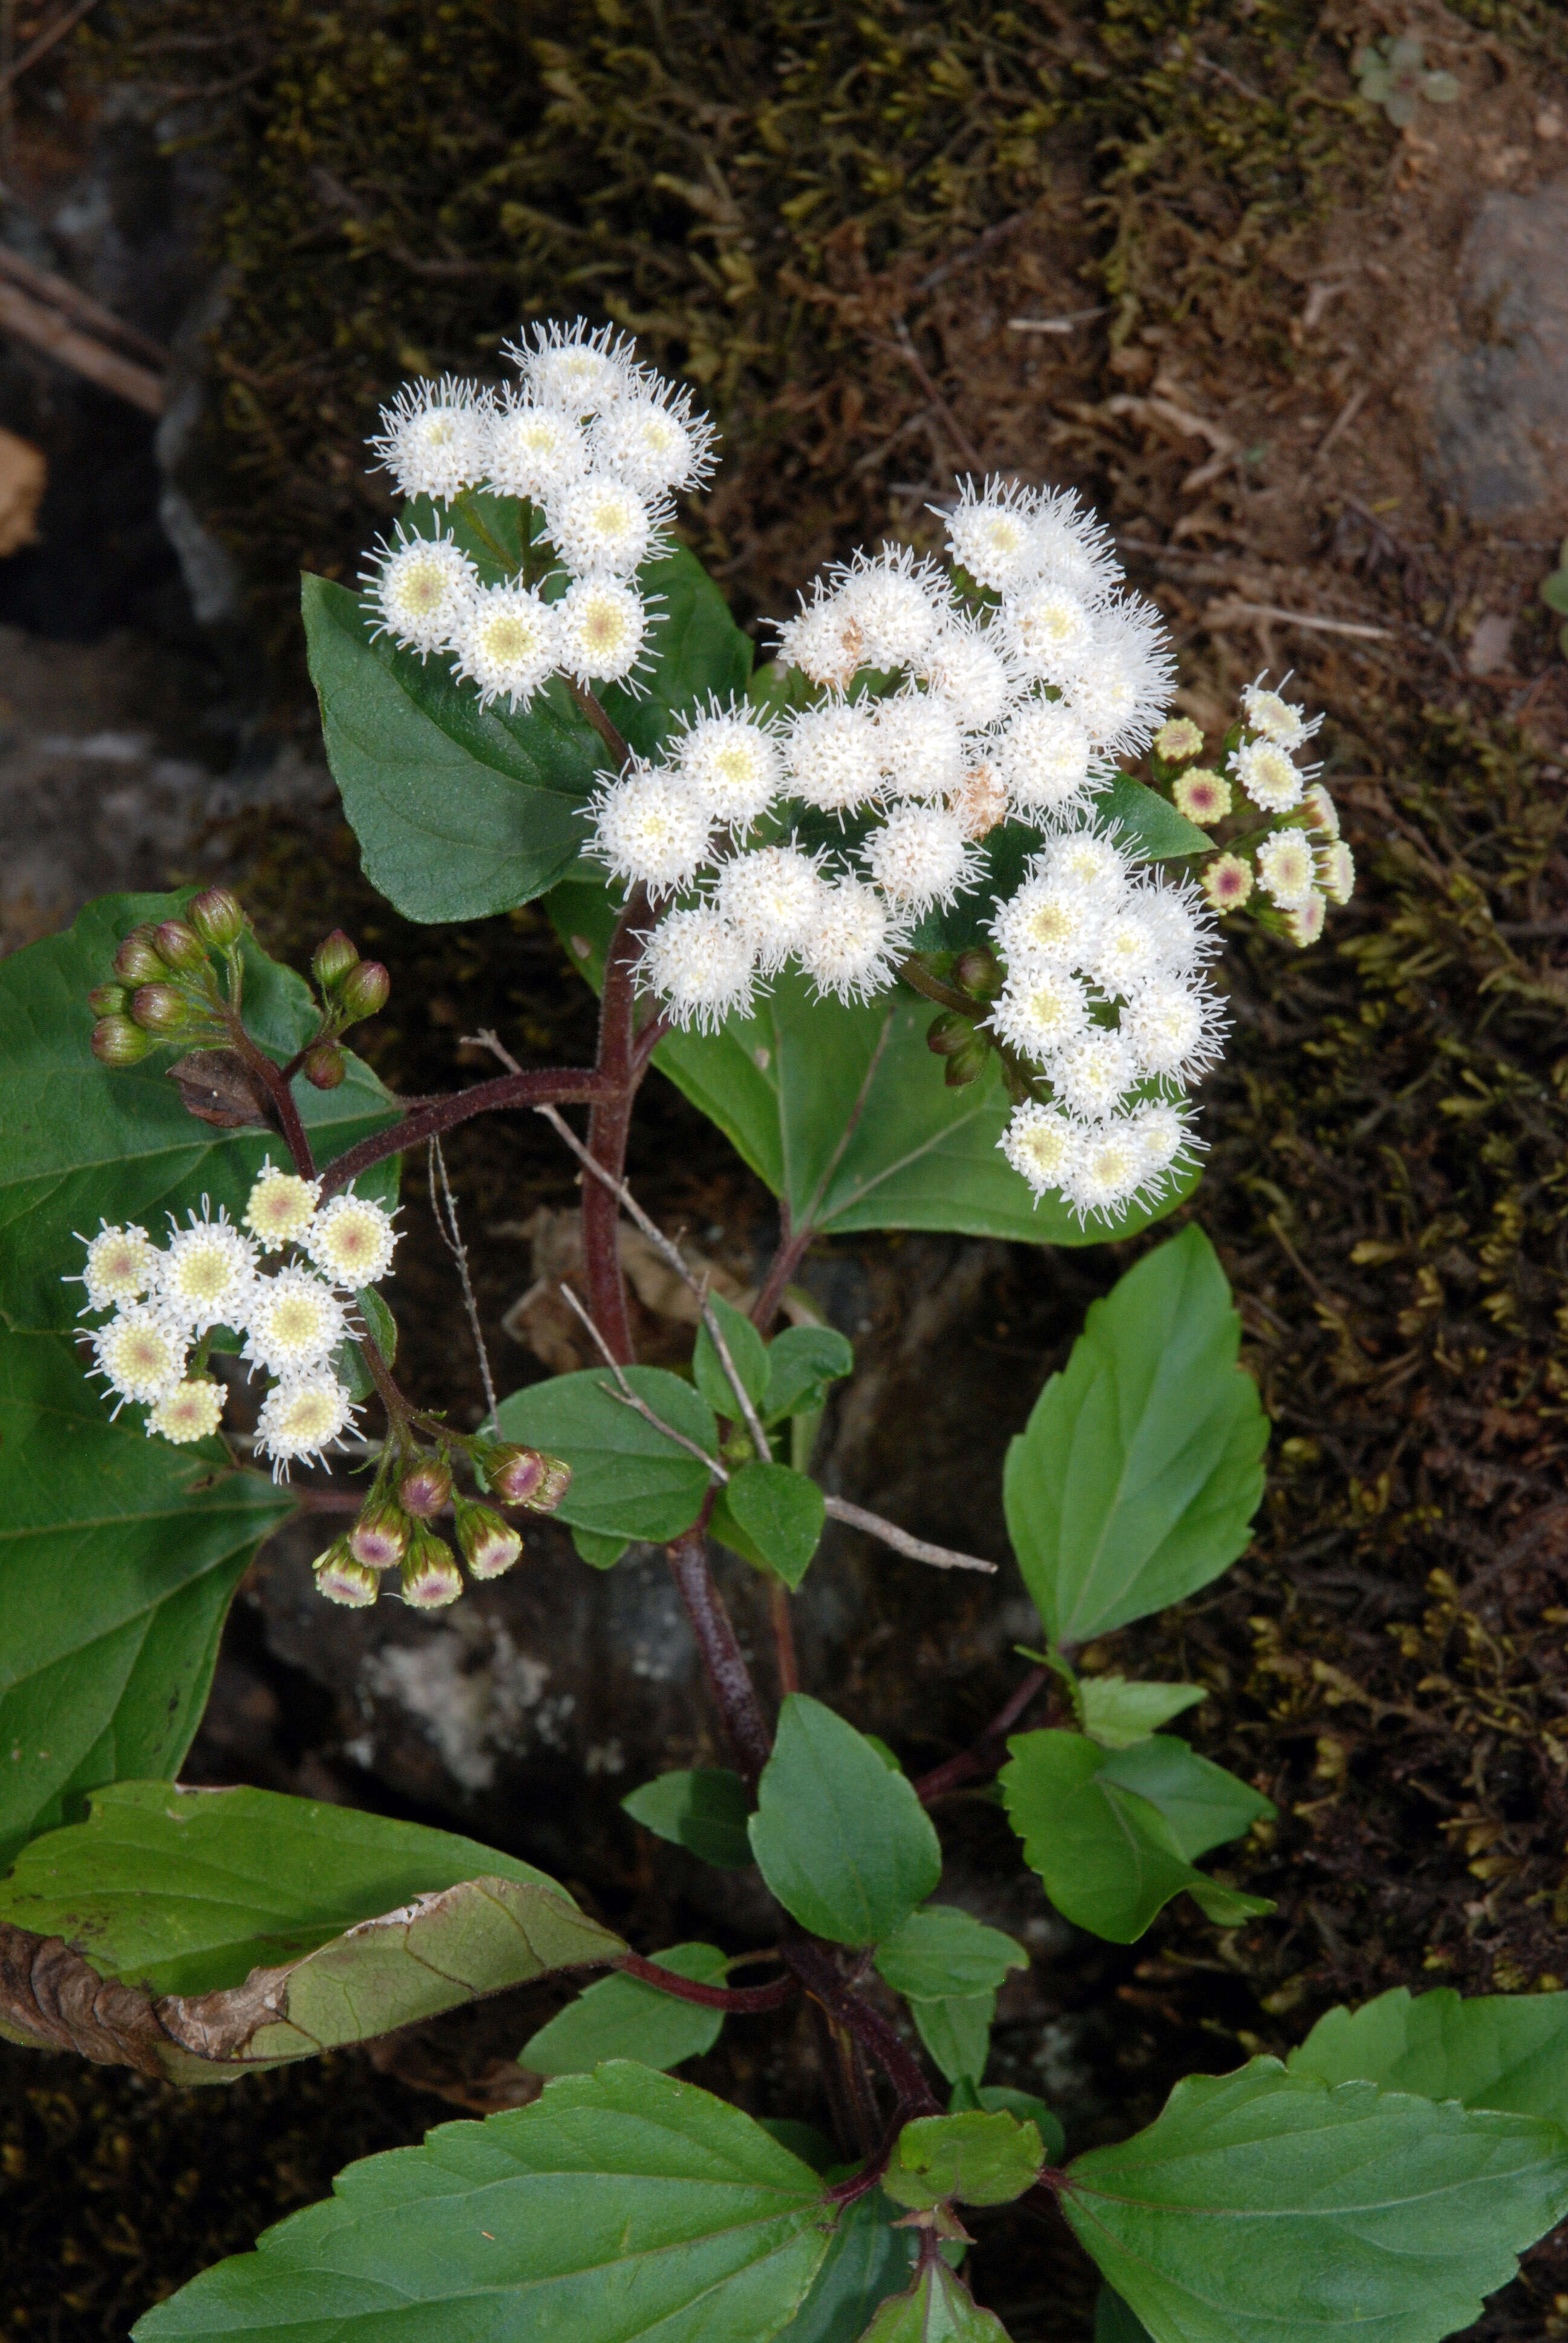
(739, 2000)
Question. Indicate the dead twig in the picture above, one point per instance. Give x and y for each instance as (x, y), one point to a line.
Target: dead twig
(446, 1211)
(1219, 615)
(942, 1557)
(1066, 324)
(48, 330)
(63, 24)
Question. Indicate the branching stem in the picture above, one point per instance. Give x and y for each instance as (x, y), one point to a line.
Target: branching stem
(739, 2000)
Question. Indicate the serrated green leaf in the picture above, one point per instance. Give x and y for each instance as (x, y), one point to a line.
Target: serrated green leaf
(119, 1555)
(1109, 1858)
(937, 2308)
(940, 1950)
(705, 1810)
(749, 1355)
(787, 1083)
(1136, 1478)
(1116, 1713)
(845, 1845)
(956, 2031)
(629, 1479)
(81, 1142)
(779, 1514)
(1203, 1804)
(1504, 2051)
(867, 2260)
(802, 1362)
(1265, 2205)
(1021, 2104)
(625, 2017)
(269, 1928)
(979, 2158)
(460, 810)
(621, 2204)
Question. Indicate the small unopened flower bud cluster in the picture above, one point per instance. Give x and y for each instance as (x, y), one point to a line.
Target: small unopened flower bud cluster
(165, 1301)
(599, 445)
(1289, 867)
(395, 1530)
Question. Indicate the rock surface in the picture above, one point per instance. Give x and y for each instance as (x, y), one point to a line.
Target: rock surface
(1499, 393)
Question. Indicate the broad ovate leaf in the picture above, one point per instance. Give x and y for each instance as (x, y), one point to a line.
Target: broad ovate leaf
(626, 2018)
(1508, 2051)
(81, 1142)
(704, 1810)
(1268, 2207)
(254, 1928)
(982, 2156)
(1136, 1478)
(621, 2205)
(941, 1950)
(937, 2308)
(841, 1840)
(119, 1555)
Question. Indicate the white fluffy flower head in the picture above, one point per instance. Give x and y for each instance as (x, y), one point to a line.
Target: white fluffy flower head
(731, 763)
(139, 1353)
(507, 640)
(1049, 923)
(603, 624)
(655, 443)
(1044, 756)
(1094, 1073)
(434, 439)
(580, 371)
(122, 1265)
(990, 533)
(1043, 1145)
(852, 944)
(919, 747)
(651, 830)
(1266, 773)
(351, 1241)
(1286, 868)
(1278, 719)
(831, 753)
(533, 451)
(1041, 1012)
(601, 526)
(1173, 1027)
(970, 671)
(208, 1274)
(897, 604)
(301, 1418)
(919, 856)
(1121, 685)
(1052, 630)
(419, 590)
(280, 1207)
(1110, 1168)
(700, 966)
(1068, 543)
(770, 897)
(188, 1412)
(296, 1322)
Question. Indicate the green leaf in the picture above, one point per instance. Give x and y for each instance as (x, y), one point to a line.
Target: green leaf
(379, 1322)
(802, 1362)
(1150, 822)
(705, 1811)
(937, 2308)
(1028, 2109)
(843, 1111)
(1116, 1713)
(81, 1142)
(867, 2260)
(1137, 1476)
(598, 1553)
(748, 1351)
(1265, 2208)
(460, 810)
(629, 1479)
(1203, 1804)
(1504, 2051)
(1109, 1858)
(778, 1513)
(623, 2017)
(845, 1845)
(979, 2158)
(621, 2205)
(940, 1950)
(1554, 592)
(119, 1555)
(956, 2031)
(1115, 2323)
(270, 1928)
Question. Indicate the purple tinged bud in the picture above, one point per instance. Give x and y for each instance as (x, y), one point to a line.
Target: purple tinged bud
(489, 1545)
(979, 972)
(950, 1032)
(343, 1579)
(424, 1488)
(160, 1008)
(431, 1577)
(136, 962)
(107, 999)
(217, 916)
(525, 1476)
(179, 945)
(324, 1066)
(117, 1042)
(364, 990)
(379, 1538)
(332, 960)
(968, 1064)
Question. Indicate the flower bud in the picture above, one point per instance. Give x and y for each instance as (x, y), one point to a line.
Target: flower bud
(424, 1488)
(178, 946)
(968, 1064)
(136, 962)
(364, 990)
(343, 1579)
(379, 1538)
(978, 972)
(117, 1042)
(952, 1032)
(107, 999)
(160, 1008)
(430, 1576)
(324, 1066)
(217, 916)
(525, 1476)
(332, 960)
(489, 1545)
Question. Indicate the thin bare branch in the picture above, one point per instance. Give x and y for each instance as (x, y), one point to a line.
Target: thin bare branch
(628, 1398)
(445, 1210)
(941, 1557)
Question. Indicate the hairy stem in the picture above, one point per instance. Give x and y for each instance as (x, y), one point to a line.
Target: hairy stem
(987, 1752)
(739, 2000)
(783, 1637)
(815, 1967)
(729, 1678)
(542, 1086)
(278, 1089)
(592, 707)
(781, 1269)
(609, 1126)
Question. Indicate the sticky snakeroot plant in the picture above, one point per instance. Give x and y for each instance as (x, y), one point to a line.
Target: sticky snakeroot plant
(922, 803)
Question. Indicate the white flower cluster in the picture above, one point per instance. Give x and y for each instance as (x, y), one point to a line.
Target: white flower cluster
(165, 1299)
(1012, 708)
(599, 445)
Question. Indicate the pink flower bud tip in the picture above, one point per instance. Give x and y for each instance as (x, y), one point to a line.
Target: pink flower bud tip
(424, 1488)
(490, 1544)
(136, 962)
(159, 1008)
(333, 958)
(178, 945)
(324, 1066)
(364, 990)
(117, 1042)
(217, 916)
(525, 1476)
(431, 1578)
(379, 1538)
(341, 1579)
